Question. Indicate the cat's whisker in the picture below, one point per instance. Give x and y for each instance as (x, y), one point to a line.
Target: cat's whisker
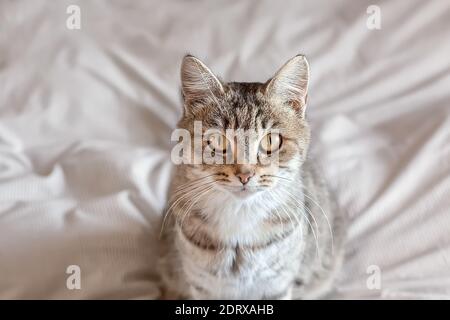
(315, 236)
(282, 207)
(193, 201)
(305, 193)
(279, 177)
(278, 214)
(325, 216)
(322, 211)
(178, 200)
(308, 211)
(309, 222)
(192, 182)
(168, 213)
(191, 187)
(288, 212)
(305, 207)
(187, 193)
(279, 218)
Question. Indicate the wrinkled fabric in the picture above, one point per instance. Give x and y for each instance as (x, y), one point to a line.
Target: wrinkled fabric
(86, 117)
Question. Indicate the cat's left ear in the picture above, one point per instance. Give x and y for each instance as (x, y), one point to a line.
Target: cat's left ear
(198, 81)
(289, 86)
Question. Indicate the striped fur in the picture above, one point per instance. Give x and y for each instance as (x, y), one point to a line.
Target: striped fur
(273, 243)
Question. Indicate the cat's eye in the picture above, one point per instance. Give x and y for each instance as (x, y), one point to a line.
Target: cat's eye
(271, 142)
(218, 142)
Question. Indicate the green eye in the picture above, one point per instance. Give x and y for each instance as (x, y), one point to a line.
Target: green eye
(271, 142)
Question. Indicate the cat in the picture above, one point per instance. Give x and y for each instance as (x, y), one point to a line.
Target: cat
(251, 230)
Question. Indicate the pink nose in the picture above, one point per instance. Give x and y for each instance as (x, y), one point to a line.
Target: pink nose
(245, 177)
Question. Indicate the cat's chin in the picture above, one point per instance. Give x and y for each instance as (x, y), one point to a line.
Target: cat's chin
(245, 194)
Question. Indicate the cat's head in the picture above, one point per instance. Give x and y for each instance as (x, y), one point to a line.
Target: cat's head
(270, 115)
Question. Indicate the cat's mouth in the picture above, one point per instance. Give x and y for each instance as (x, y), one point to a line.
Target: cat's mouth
(244, 192)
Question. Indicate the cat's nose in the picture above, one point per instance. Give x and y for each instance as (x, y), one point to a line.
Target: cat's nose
(245, 176)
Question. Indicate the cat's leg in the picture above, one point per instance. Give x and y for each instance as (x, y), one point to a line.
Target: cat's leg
(173, 286)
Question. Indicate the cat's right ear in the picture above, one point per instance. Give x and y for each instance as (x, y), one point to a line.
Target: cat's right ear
(198, 82)
(289, 86)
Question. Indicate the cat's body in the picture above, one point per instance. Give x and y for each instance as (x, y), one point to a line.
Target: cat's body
(260, 230)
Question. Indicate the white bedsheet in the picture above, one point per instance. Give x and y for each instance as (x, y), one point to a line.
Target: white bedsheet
(86, 117)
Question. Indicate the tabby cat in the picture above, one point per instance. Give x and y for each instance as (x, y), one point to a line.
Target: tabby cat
(249, 230)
